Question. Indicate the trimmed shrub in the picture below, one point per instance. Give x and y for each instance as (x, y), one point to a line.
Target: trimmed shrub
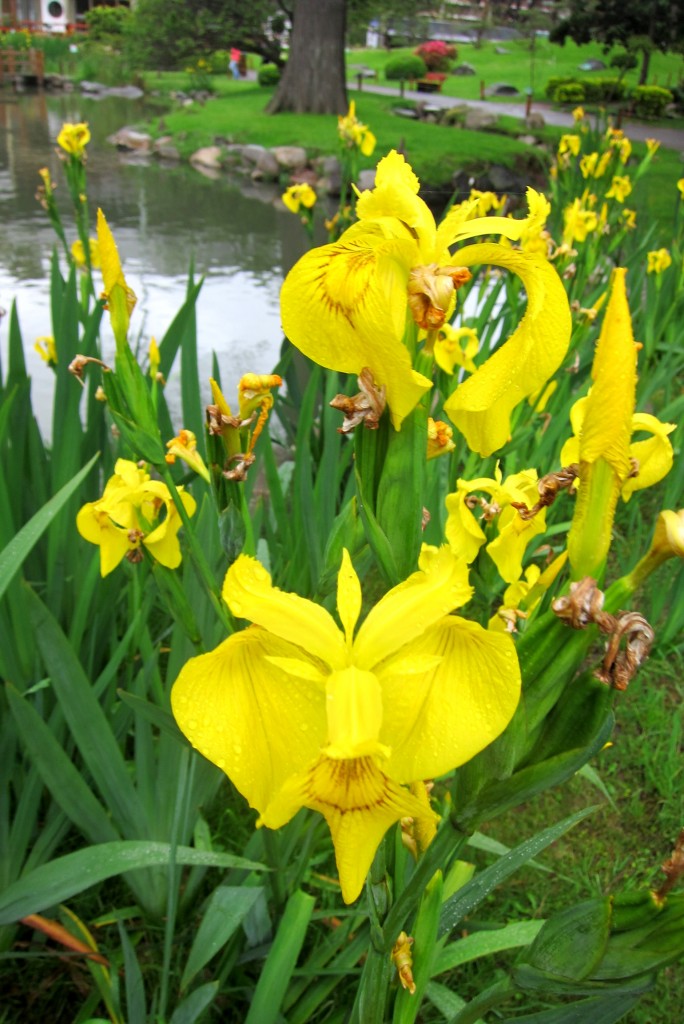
(268, 74)
(400, 69)
(573, 92)
(590, 90)
(436, 54)
(651, 100)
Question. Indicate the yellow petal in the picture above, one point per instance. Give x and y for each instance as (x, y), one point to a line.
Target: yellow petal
(359, 803)
(94, 525)
(406, 611)
(462, 530)
(250, 594)
(344, 306)
(481, 406)
(120, 298)
(507, 550)
(653, 456)
(607, 423)
(257, 723)
(354, 709)
(162, 542)
(439, 720)
(348, 596)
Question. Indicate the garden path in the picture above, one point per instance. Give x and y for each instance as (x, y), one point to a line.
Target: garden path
(672, 138)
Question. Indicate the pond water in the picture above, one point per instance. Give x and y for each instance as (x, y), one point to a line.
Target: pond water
(162, 218)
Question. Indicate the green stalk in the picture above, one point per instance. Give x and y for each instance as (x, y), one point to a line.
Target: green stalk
(197, 555)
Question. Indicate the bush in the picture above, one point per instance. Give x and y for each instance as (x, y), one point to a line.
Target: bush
(573, 92)
(590, 90)
(399, 69)
(436, 55)
(268, 74)
(107, 22)
(651, 100)
(624, 62)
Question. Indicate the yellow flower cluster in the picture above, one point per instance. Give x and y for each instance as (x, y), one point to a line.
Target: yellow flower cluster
(354, 134)
(134, 513)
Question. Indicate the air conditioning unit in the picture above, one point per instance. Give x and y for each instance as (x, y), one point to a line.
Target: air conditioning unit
(54, 15)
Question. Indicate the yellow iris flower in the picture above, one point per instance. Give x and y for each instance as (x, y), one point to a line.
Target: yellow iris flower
(569, 144)
(134, 510)
(346, 305)
(300, 713)
(456, 346)
(579, 222)
(73, 138)
(78, 253)
(354, 134)
(657, 260)
(466, 536)
(620, 188)
(46, 349)
(299, 195)
(184, 446)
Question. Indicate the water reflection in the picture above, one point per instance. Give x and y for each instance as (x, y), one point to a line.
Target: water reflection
(163, 218)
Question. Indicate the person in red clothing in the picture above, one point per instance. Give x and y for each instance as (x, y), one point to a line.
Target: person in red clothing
(234, 63)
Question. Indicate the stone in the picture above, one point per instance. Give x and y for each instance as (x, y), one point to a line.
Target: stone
(125, 92)
(501, 178)
(592, 65)
(207, 157)
(290, 158)
(535, 121)
(463, 69)
(251, 153)
(92, 87)
(327, 165)
(501, 51)
(130, 139)
(527, 140)
(267, 167)
(502, 89)
(477, 119)
(366, 179)
(165, 149)
(409, 112)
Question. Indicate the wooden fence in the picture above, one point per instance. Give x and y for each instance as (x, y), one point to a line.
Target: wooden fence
(26, 64)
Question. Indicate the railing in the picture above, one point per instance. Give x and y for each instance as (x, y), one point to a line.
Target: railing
(22, 64)
(40, 28)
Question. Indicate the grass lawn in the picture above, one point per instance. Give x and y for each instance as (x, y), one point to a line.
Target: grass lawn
(525, 68)
(434, 151)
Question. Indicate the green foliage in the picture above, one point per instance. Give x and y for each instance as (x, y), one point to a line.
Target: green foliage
(591, 90)
(171, 33)
(107, 23)
(268, 75)
(570, 92)
(651, 100)
(405, 68)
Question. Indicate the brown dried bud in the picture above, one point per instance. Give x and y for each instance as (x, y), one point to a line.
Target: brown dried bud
(548, 487)
(367, 407)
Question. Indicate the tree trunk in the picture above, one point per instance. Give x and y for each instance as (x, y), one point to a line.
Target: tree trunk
(645, 63)
(314, 78)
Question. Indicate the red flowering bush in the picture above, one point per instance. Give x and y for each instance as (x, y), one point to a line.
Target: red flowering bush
(436, 54)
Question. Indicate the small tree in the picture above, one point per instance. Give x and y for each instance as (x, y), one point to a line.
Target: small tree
(403, 69)
(436, 55)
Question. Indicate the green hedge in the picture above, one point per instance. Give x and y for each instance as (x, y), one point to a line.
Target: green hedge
(399, 69)
(591, 90)
(268, 74)
(651, 100)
